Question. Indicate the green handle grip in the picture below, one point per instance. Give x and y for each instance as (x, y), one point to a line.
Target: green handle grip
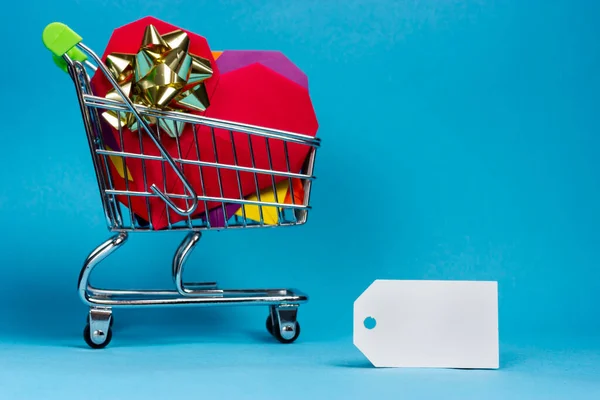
(61, 40)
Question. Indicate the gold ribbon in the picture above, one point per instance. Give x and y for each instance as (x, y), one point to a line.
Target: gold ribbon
(161, 75)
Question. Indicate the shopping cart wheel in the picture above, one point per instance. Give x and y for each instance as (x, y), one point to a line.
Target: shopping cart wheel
(98, 330)
(282, 325)
(99, 336)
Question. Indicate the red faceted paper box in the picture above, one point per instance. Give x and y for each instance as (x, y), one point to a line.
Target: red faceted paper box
(256, 87)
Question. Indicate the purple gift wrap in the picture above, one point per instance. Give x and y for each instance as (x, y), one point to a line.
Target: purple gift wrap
(107, 138)
(215, 216)
(231, 60)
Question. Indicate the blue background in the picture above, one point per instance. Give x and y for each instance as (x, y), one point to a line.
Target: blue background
(460, 141)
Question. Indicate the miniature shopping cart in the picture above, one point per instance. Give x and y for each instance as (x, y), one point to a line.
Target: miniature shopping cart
(77, 59)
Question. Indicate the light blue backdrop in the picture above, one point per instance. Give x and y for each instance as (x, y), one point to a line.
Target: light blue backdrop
(460, 141)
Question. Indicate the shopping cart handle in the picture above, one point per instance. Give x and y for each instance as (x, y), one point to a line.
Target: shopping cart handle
(61, 40)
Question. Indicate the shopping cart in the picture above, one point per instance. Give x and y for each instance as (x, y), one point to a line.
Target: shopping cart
(81, 63)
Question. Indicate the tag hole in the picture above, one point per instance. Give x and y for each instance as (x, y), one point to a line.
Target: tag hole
(370, 322)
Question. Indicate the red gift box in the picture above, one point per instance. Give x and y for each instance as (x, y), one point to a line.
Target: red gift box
(253, 94)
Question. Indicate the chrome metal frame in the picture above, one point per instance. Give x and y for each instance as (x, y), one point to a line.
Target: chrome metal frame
(283, 303)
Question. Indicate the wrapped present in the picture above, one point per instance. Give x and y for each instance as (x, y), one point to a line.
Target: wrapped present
(283, 195)
(165, 67)
(231, 60)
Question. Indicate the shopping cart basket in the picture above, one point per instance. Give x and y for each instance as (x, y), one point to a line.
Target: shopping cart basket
(81, 62)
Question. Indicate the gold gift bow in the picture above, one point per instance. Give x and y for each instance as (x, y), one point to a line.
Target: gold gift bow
(162, 74)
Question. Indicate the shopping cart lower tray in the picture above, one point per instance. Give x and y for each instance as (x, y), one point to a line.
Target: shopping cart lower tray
(81, 63)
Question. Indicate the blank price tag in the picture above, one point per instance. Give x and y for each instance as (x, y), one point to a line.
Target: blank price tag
(436, 324)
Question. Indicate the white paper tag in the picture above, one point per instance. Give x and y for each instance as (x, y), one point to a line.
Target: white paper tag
(435, 324)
